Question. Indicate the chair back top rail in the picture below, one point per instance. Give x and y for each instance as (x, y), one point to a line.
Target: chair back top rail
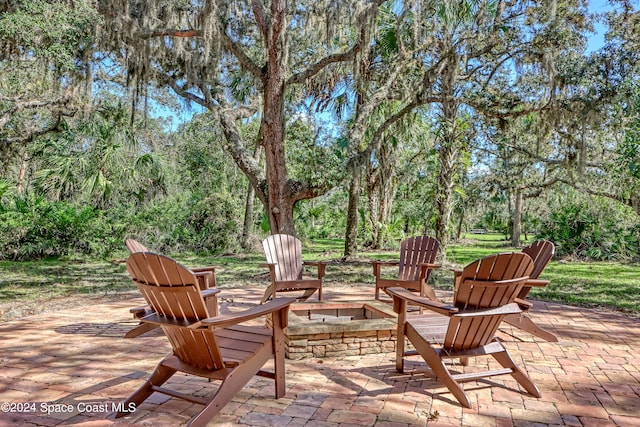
(285, 251)
(134, 246)
(541, 253)
(415, 251)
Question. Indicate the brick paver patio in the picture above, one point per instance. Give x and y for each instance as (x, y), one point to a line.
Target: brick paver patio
(75, 364)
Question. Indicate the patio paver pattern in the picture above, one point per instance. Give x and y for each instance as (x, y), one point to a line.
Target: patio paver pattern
(73, 365)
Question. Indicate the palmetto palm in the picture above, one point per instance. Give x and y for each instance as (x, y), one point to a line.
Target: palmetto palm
(101, 161)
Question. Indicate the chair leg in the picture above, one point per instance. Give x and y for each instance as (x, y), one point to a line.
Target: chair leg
(525, 323)
(430, 293)
(438, 367)
(308, 292)
(504, 358)
(230, 386)
(279, 369)
(212, 305)
(159, 376)
(142, 328)
(269, 293)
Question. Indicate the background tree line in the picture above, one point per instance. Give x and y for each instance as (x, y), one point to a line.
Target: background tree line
(362, 120)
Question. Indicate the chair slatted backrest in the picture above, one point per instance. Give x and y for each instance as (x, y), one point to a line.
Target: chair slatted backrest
(541, 253)
(286, 252)
(414, 252)
(478, 289)
(172, 291)
(134, 246)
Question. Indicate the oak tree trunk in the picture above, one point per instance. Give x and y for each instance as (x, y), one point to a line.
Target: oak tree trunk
(272, 129)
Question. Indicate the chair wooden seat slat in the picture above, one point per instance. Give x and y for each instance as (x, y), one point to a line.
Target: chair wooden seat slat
(486, 290)
(417, 260)
(217, 348)
(206, 277)
(283, 253)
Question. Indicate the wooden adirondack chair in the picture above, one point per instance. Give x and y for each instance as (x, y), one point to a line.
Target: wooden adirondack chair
(206, 275)
(284, 260)
(417, 259)
(206, 280)
(466, 328)
(217, 348)
(541, 252)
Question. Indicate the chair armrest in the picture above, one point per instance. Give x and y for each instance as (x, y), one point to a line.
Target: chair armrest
(377, 264)
(202, 273)
(206, 293)
(267, 264)
(431, 265)
(414, 299)
(386, 263)
(315, 263)
(210, 268)
(206, 278)
(269, 307)
(272, 269)
(524, 304)
(425, 267)
(537, 283)
(321, 265)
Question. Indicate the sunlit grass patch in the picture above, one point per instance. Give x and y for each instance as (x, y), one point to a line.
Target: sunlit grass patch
(595, 284)
(55, 278)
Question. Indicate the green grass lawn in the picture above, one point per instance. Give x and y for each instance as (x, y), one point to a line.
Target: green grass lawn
(608, 285)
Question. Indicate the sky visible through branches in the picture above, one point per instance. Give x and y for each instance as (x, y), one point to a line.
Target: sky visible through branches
(174, 118)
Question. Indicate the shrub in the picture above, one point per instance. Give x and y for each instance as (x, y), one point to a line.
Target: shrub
(595, 229)
(34, 228)
(193, 223)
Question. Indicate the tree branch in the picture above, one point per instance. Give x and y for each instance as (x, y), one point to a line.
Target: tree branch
(54, 127)
(227, 116)
(488, 111)
(171, 33)
(633, 201)
(227, 42)
(314, 69)
(181, 91)
(25, 105)
(303, 190)
(261, 17)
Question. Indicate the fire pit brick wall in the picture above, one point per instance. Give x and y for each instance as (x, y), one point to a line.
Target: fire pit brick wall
(340, 344)
(307, 338)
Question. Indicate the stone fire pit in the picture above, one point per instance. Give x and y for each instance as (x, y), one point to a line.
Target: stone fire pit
(326, 329)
